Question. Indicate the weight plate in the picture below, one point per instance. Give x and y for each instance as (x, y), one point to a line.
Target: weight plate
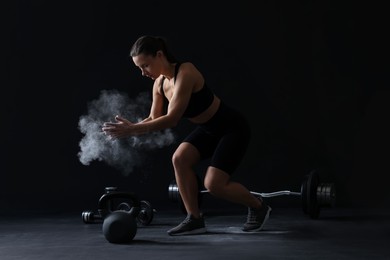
(304, 194)
(311, 195)
(87, 217)
(146, 214)
(90, 217)
(174, 194)
(326, 195)
(124, 206)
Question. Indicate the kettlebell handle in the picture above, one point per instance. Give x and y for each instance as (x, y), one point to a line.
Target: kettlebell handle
(104, 209)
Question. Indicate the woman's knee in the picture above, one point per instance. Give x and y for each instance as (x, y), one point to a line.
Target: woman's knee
(178, 159)
(215, 181)
(185, 156)
(210, 185)
(214, 187)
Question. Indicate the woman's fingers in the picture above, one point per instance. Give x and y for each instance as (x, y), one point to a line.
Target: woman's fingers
(119, 118)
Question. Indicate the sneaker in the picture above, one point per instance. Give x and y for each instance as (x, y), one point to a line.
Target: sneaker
(189, 226)
(257, 218)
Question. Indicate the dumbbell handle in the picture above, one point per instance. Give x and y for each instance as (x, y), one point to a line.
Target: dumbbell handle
(269, 194)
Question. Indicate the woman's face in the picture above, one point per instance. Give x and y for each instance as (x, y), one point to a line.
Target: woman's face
(149, 65)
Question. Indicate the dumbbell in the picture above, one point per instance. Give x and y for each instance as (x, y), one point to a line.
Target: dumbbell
(144, 217)
(314, 195)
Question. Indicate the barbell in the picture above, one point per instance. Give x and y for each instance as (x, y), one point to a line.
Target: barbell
(314, 194)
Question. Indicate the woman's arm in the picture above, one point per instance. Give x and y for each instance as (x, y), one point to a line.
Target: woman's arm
(156, 121)
(157, 107)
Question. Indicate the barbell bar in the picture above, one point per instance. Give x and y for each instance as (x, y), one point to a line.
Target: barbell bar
(314, 195)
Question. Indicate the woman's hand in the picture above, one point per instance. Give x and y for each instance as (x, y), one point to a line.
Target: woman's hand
(119, 129)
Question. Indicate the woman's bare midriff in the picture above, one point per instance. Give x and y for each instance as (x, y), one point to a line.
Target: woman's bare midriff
(208, 113)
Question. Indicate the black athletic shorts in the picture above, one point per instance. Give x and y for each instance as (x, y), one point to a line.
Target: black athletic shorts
(224, 138)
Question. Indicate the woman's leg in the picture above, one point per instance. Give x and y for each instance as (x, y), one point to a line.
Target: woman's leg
(183, 160)
(218, 183)
(225, 160)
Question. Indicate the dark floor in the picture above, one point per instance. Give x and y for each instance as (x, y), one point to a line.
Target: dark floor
(289, 234)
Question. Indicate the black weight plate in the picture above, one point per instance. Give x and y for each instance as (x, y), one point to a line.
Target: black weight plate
(304, 194)
(124, 206)
(146, 213)
(312, 203)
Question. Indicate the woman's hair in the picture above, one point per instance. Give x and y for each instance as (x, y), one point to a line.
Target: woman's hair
(150, 45)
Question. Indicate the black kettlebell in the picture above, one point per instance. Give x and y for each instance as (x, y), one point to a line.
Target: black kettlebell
(119, 226)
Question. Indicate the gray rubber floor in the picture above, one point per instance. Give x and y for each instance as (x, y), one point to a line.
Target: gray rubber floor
(288, 234)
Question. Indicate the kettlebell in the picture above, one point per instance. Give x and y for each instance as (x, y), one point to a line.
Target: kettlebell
(119, 226)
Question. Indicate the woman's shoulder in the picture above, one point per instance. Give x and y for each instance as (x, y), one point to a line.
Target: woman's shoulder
(186, 64)
(190, 71)
(188, 67)
(158, 81)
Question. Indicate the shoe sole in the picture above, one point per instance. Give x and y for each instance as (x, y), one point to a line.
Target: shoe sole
(192, 232)
(262, 225)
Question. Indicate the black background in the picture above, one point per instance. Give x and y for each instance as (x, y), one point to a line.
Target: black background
(310, 76)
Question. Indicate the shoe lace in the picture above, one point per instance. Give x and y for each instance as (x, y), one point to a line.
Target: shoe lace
(187, 219)
(251, 215)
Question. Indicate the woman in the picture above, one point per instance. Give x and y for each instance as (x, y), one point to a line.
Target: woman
(222, 133)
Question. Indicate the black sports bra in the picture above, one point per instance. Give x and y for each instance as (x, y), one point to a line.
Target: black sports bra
(199, 100)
